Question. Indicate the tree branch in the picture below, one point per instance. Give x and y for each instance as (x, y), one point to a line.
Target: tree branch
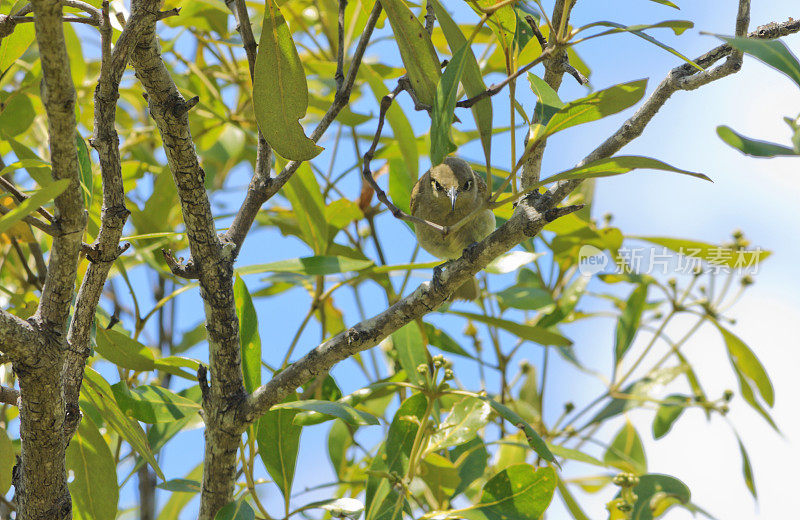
(213, 260)
(106, 248)
(17, 337)
(40, 477)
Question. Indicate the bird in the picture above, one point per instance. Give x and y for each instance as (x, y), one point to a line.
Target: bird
(444, 195)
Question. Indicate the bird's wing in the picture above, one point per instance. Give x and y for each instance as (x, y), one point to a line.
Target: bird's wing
(416, 191)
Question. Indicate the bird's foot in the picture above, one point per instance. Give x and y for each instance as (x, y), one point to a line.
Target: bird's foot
(436, 281)
(470, 252)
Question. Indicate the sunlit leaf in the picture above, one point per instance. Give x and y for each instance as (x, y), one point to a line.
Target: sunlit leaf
(31, 204)
(278, 441)
(747, 469)
(280, 92)
(94, 487)
(239, 510)
(533, 438)
(98, 393)
(152, 404)
(655, 493)
(14, 45)
(668, 412)
(472, 79)
(616, 166)
(593, 107)
(529, 332)
(774, 53)
(444, 105)
(416, 50)
(626, 451)
(85, 167)
(249, 338)
(7, 461)
(310, 265)
(678, 26)
(124, 351)
(336, 409)
(411, 351)
(752, 147)
(462, 424)
(746, 362)
(629, 321)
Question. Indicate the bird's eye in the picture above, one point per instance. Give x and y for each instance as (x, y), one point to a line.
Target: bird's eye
(468, 185)
(437, 185)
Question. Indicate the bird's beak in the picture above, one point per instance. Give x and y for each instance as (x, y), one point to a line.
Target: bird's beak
(453, 194)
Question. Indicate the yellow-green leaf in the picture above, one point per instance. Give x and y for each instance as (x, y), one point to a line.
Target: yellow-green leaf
(33, 203)
(416, 50)
(94, 489)
(280, 91)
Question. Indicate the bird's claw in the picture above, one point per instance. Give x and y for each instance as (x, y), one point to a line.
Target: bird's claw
(436, 281)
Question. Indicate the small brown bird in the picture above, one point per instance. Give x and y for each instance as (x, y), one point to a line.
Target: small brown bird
(444, 195)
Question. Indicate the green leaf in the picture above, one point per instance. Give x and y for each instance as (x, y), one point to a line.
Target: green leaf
(124, 351)
(340, 213)
(280, 92)
(567, 302)
(503, 21)
(462, 424)
(747, 469)
(401, 128)
(441, 340)
(336, 409)
(16, 114)
(571, 454)
(572, 505)
(667, 413)
(416, 50)
(616, 166)
(382, 499)
(593, 107)
(178, 500)
(677, 26)
(174, 364)
(152, 404)
(528, 332)
(13, 46)
(94, 489)
(400, 184)
(626, 451)
(519, 492)
(752, 147)
(7, 461)
(534, 441)
(470, 459)
(774, 53)
(239, 510)
(98, 393)
(524, 297)
(249, 338)
(278, 441)
(310, 265)
(411, 352)
(629, 321)
(181, 485)
(440, 475)
(31, 204)
(547, 103)
(667, 3)
(745, 362)
(304, 193)
(85, 166)
(655, 493)
(713, 254)
(472, 79)
(444, 105)
(340, 439)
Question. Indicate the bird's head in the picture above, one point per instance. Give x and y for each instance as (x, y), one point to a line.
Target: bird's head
(453, 186)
